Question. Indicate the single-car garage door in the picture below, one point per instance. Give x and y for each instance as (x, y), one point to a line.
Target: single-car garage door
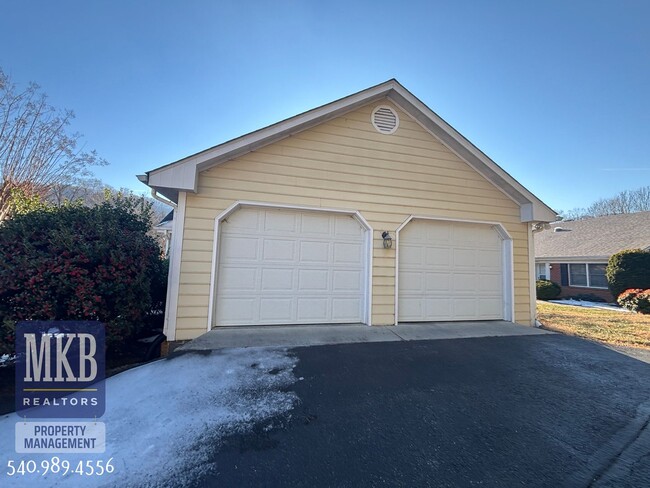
(279, 266)
(450, 271)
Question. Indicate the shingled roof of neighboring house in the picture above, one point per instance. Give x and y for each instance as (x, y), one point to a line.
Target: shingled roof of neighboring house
(598, 237)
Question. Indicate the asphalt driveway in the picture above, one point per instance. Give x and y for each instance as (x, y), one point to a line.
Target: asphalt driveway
(543, 410)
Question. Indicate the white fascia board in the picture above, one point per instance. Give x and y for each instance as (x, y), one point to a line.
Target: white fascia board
(183, 174)
(534, 212)
(181, 177)
(469, 153)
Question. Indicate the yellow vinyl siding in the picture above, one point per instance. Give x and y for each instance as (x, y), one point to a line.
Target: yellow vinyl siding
(345, 163)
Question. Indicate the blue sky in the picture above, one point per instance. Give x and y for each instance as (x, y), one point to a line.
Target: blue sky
(556, 92)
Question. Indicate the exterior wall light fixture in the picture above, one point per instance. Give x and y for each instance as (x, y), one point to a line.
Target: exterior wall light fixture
(388, 240)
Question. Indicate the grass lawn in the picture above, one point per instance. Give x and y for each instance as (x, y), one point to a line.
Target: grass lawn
(608, 326)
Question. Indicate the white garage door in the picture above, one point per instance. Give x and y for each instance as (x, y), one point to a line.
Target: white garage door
(450, 271)
(290, 267)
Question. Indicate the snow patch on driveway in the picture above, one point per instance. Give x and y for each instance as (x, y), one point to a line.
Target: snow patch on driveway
(165, 419)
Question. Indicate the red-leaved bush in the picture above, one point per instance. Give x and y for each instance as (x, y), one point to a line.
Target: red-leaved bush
(81, 263)
(636, 300)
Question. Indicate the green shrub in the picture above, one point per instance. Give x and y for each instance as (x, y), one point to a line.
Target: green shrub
(627, 270)
(7, 336)
(547, 290)
(80, 263)
(636, 300)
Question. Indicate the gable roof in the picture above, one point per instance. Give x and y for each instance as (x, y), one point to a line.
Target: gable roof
(182, 175)
(595, 238)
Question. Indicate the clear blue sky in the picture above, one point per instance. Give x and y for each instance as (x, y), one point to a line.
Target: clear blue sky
(556, 92)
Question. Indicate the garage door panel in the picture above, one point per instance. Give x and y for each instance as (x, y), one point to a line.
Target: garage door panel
(346, 280)
(437, 256)
(290, 267)
(490, 307)
(239, 278)
(344, 308)
(237, 310)
(347, 252)
(315, 224)
(277, 279)
(276, 309)
(487, 257)
(450, 271)
(490, 283)
(313, 309)
(246, 221)
(411, 309)
(436, 309)
(439, 234)
(411, 280)
(282, 222)
(240, 248)
(314, 252)
(412, 254)
(465, 308)
(465, 258)
(313, 279)
(437, 282)
(464, 283)
(279, 250)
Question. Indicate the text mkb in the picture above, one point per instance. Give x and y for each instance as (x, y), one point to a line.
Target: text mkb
(60, 369)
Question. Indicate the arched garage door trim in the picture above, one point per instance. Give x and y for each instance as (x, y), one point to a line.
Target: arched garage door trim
(507, 255)
(367, 312)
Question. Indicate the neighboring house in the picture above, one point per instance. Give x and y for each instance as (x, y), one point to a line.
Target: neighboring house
(574, 254)
(285, 225)
(164, 228)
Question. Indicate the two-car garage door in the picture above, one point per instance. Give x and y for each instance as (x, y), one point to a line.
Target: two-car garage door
(282, 266)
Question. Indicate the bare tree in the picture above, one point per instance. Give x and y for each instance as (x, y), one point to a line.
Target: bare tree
(627, 201)
(36, 151)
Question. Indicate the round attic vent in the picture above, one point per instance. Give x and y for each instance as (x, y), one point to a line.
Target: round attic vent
(385, 119)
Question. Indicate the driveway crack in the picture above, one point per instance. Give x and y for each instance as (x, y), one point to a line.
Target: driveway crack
(399, 336)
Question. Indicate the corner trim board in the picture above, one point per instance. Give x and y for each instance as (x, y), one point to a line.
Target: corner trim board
(173, 285)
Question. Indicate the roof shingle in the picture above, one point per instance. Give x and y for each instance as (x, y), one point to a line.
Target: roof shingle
(595, 237)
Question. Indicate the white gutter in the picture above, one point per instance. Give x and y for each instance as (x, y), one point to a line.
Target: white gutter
(155, 195)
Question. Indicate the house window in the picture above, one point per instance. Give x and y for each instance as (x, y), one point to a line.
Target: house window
(597, 278)
(588, 275)
(540, 271)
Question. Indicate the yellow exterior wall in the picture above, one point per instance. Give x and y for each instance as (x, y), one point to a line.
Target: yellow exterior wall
(346, 163)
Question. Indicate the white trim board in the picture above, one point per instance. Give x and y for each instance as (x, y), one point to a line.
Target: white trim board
(508, 261)
(246, 203)
(173, 283)
(182, 175)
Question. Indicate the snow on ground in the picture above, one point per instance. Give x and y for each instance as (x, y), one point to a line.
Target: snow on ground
(164, 419)
(583, 303)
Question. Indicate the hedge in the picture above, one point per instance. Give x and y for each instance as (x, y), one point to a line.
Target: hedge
(547, 290)
(628, 269)
(79, 263)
